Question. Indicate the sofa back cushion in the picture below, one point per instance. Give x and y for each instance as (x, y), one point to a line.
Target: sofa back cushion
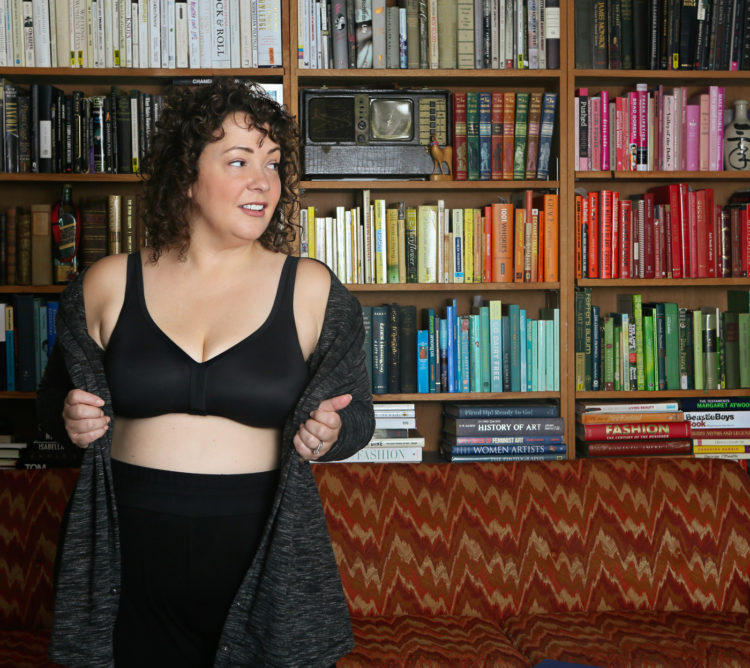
(31, 508)
(494, 540)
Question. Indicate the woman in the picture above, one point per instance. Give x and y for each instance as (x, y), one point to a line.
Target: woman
(208, 370)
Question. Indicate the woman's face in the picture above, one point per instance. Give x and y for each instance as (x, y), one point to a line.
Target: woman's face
(238, 185)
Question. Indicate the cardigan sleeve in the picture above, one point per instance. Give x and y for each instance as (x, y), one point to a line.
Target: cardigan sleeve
(340, 361)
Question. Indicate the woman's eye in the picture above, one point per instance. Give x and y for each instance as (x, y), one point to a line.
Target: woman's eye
(274, 166)
(237, 163)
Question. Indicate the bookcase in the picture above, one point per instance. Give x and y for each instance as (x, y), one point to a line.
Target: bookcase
(26, 189)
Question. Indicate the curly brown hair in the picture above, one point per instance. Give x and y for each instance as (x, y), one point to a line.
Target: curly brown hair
(191, 119)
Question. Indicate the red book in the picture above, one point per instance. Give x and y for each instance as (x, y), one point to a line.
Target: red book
(625, 238)
(712, 230)
(745, 241)
(670, 195)
(658, 242)
(704, 236)
(628, 431)
(605, 234)
(624, 448)
(585, 224)
(579, 234)
(496, 123)
(683, 189)
(615, 256)
(460, 165)
(593, 232)
(487, 244)
(667, 241)
(693, 235)
(649, 247)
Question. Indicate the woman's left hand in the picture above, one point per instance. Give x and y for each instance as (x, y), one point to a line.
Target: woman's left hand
(317, 434)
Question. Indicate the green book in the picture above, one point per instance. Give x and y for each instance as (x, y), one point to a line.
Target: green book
(519, 141)
(697, 328)
(685, 349)
(649, 348)
(588, 338)
(672, 345)
(475, 353)
(743, 330)
(609, 352)
(411, 244)
(710, 352)
(732, 349)
(738, 301)
(639, 341)
(484, 319)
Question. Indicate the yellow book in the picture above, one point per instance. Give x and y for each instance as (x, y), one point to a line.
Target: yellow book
(381, 260)
(468, 245)
(311, 232)
(478, 245)
(427, 233)
(411, 244)
(401, 242)
(392, 245)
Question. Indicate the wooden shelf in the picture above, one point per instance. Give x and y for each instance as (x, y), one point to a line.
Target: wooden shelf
(660, 176)
(449, 287)
(664, 282)
(467, 396)
(419, 184)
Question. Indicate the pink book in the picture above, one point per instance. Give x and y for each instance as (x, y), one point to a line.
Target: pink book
(605, 129)
(632, 131)
(596, 133)
(692, 138)
(681, 151)
(615, 257)
(642, 135)
(704, 131)
(620, 133)
(668, 161)
(720, 130)
(714, 122)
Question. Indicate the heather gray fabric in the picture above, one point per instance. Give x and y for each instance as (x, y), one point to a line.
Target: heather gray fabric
(290, 609)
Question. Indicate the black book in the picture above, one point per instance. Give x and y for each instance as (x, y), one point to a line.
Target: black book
(703, 23)
(43, 99)
(394, 349)
(614, 30)
(26, 337)
(584, 27)
(124, 138)
(688, 34)
(626, 34)
(408, 348)
(641, 34)
(601, 48)
(24, 131)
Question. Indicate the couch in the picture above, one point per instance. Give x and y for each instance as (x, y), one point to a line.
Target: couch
(629, 562)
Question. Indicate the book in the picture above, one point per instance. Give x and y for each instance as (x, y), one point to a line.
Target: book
(505, 409)
(735, 419)
(635, 447)
(715, 403)
(623, 431)
(484, 426)
(506, 449)
(381, 455)
(605, 418)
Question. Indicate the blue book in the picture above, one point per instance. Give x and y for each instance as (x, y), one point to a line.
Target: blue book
(52, 307)
(496, 346)
(522, 347)
(550, 361)
(513, 311)
(10, 357)
(443, 346)
(465, 346)
(423, 361)
(484, 318)
(450, 347)
(505, 323)
(432, 350)
(531, 375)
(546, 132)
(542, 352)
(475, 353)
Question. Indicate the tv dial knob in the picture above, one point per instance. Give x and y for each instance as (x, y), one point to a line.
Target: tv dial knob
(361, 138)
(361, 125)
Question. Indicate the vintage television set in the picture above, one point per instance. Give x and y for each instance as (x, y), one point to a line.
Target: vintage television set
(375, 133)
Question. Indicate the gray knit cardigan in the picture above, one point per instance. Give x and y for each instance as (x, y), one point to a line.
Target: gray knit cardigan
(290, 609)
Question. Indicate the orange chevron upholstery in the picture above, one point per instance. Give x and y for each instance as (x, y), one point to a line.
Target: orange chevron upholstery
(607, 562)
(31, 507)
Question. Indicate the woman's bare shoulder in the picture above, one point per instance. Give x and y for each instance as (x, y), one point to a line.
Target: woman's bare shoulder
(313, 279)
(104, 294)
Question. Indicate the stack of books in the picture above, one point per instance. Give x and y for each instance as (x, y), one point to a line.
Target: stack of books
(10, 451)
(637, 429)
(719, 426)
(395, 440)
(502, 432)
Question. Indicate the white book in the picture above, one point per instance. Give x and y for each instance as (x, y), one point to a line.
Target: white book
(478, 12)
(118, 33)
(171, 49)
(107, 12)
(395, 422)
(219, 36)
(254, 32)
(194, 51)
(135, 34)
(143, 34)
(53, 35)
(304, 234)
(126, 34)
(181, 34)
(135, 133)
(42, 55)
(634, 407)
(246, 34)
(98, 30)
(234, 32)
(385, 455)
(269, 33)
(4, 33)
(204, 32)
(494, 34)
(16, 19)
(718, 419)
(401, 406)
(303, 33)
(320, 239)
(312, 34)
(89, 62)
(433, 45)
(501, 33)
(325, 36)
(532, 33)
(542, 34)
(330, 243)
(341, 247)
(164, 32)
(378, 34)
(318, 37)
(510, 47)
(154, 33)
(27, 7)
(521, 52)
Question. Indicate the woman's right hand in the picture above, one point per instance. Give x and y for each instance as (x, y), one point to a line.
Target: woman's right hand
(84, 418)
